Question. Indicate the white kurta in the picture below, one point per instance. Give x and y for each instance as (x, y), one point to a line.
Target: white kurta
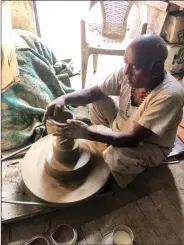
(160, 112)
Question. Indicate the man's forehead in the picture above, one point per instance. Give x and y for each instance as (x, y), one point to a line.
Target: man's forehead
(130, 55)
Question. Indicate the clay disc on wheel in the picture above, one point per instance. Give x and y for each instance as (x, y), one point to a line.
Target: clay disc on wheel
(49, 189)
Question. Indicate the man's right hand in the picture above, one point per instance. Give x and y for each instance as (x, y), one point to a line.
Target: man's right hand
(79, 97)
(54, 108)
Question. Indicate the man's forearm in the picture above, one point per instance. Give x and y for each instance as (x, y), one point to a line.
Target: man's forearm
(83, 96)
(116, 139)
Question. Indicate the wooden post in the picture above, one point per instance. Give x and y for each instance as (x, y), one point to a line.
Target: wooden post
(9, 66)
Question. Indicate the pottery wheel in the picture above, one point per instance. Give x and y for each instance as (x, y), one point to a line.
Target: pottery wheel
(38, 180)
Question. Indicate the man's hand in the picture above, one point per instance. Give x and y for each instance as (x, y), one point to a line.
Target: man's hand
(54, 108)
(79, 130)
(76, 129)
(79, 97)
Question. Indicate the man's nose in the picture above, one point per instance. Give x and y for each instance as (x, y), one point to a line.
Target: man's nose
(127, 69)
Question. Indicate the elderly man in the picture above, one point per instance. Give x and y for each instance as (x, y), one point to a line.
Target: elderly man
(141, 130)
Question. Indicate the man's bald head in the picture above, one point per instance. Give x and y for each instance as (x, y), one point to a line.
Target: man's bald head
(149, 50)
(144, 61)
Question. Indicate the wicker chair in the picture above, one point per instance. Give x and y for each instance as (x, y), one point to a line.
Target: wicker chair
(109, 37)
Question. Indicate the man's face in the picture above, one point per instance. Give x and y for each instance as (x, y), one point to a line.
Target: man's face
(134, 70)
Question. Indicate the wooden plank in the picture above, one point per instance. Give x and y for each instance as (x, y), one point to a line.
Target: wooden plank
(176, 197)
(24, 230)
(95, 230)
(159, 177)
(14, 189)
(143, 227)
(157, 220)
(177, 174)
(105, 224)
(170, 213)
(120, 217)
(91, 233)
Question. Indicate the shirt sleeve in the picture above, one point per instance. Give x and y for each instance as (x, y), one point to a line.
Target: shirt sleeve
(112, 84)
(162, 114)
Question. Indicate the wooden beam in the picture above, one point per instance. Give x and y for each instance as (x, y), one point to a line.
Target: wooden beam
(163, 6)
(156, 20)
(9, 66)
(179, 3)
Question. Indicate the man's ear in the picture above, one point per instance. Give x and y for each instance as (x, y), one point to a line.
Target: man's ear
(157, 69)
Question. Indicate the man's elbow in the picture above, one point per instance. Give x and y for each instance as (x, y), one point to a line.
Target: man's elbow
(130, 141)
(130, 144)
(96, 93)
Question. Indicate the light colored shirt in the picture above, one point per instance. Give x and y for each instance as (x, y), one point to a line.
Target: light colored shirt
(161, 111)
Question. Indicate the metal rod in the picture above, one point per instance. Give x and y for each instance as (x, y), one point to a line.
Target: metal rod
(30, 203)
(62, 142)
(171, 162)
(16, 152)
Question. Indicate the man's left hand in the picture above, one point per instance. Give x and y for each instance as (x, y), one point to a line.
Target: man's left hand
(75, 129)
